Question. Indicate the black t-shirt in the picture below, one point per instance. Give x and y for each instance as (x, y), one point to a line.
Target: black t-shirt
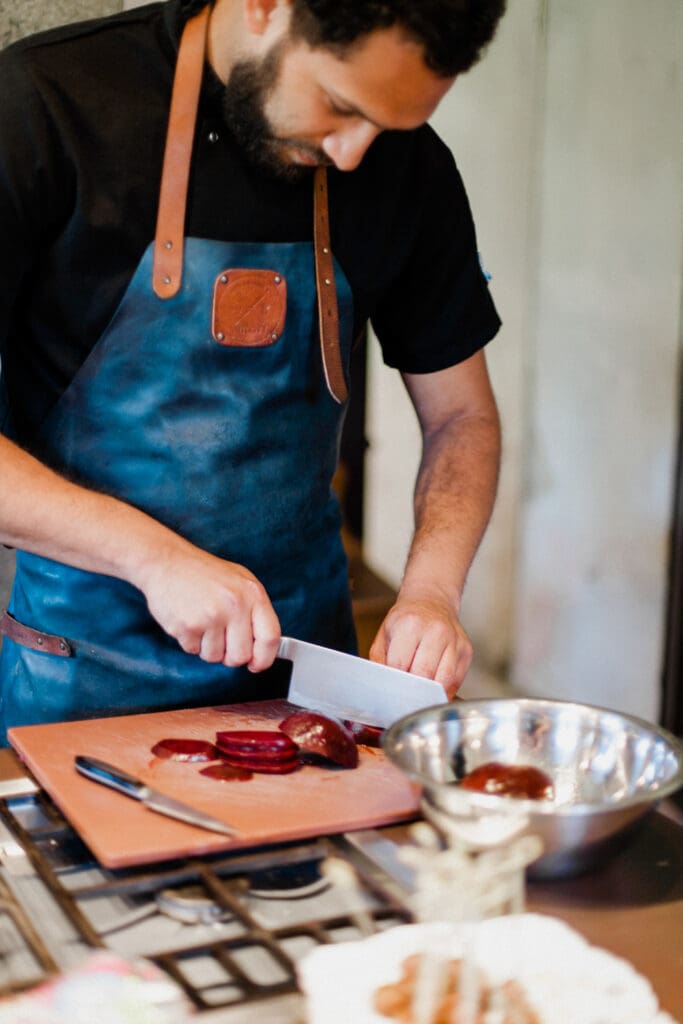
(83, 119)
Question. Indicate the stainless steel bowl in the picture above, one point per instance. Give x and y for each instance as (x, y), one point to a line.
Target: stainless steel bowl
(608, 770)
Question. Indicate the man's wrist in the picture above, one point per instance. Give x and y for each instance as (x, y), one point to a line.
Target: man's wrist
(430, 589)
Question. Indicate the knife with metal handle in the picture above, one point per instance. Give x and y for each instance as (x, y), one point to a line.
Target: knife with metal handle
(349, 687)
(116, 778)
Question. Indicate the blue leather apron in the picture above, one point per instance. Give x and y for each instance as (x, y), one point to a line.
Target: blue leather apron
(234, 447)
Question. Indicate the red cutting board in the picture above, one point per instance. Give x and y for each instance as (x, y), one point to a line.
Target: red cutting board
(311, 801)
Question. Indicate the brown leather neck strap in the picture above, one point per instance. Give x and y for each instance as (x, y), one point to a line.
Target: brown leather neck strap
(167, 268)
(328, 311)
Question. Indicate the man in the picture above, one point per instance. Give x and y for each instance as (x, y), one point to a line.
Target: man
(174, 355)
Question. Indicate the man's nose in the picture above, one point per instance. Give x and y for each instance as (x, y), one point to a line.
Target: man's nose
(347, 146)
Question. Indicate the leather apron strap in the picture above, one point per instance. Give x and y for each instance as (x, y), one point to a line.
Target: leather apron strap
(328, 311)
(47, 643)
(167, 269)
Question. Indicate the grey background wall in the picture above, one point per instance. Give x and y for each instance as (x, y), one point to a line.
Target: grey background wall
(569, 138)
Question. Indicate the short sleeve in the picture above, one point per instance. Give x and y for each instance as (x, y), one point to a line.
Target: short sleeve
(438, 310)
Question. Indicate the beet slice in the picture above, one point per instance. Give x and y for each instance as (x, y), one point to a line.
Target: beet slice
(518, 780)
(319, 734)
(368, 735)
(264, 745)
(179, 749)
(226, 772)
(266, 766)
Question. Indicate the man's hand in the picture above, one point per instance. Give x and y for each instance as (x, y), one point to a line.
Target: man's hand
(213, 608)
(422, 634)
(454, 495)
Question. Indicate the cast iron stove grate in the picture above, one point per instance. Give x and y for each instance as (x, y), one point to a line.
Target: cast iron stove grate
(229, 929)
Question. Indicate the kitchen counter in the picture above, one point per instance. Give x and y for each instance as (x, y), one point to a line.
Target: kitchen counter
(632, 906)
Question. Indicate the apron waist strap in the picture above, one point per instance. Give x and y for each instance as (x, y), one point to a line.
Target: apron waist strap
(48, 643)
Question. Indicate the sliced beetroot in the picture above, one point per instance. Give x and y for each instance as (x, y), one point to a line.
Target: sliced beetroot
(368, 735)
(266, 766)
(263, 744)
(179, 749)
(226, 772)
(319, 734)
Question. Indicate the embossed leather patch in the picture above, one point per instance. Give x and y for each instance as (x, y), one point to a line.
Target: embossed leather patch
(249, 307)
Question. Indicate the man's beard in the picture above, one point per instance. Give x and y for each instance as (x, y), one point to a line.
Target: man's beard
(244, 99)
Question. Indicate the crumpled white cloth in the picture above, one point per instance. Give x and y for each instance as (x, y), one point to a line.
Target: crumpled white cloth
(565, 979)
(104, 989)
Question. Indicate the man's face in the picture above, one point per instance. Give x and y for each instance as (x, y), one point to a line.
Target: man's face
(296, 107)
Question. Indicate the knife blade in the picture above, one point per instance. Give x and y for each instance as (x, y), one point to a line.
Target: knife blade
(122, 782)
(353, 688)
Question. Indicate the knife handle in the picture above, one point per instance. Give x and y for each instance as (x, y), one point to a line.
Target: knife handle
(115, 778)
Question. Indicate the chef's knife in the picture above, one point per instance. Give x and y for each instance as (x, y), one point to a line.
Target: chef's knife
(353, 688)
(116, 778)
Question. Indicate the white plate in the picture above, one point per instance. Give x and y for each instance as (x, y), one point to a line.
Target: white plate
(566, 980)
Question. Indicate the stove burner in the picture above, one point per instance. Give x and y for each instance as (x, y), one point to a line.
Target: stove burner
(288, 881)
(190, 905)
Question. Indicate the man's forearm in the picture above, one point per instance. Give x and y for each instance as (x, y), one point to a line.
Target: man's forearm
(44, 513)
(454, 497)
(214, 608)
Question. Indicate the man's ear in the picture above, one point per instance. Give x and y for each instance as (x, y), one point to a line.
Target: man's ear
(258, 13)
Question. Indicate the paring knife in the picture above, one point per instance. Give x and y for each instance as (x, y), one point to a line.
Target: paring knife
(349, 687)
(116, 778)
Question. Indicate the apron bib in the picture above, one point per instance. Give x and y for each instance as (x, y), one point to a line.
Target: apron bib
(216, 421)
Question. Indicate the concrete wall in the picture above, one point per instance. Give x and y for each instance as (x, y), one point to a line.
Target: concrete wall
(569, 138)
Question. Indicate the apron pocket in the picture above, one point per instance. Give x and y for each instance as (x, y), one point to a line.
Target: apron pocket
(249, 308)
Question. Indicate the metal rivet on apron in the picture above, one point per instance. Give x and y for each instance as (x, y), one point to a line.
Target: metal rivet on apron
(224, 278)
(40, 641)
(273, 336)
(213, 136)
(277, 279)
(62, 645)
(220, 336)
(325, 249)
(168, 245)
(327, 281)
(167, 280)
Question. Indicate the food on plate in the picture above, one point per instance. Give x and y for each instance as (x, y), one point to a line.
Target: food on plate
(265, 751)
(368, 735)
(183, 749)
(318, 734)
(506, 1004)
(519, 780)
(226, 772)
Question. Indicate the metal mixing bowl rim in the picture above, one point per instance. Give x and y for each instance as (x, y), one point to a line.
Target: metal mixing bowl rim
(472, 800)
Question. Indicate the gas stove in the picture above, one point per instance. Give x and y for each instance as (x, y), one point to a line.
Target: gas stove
(229, 929)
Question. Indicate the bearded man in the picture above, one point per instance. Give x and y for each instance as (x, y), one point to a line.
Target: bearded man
(202, 207)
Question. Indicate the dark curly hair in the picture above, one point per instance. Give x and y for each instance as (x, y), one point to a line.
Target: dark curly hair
(453, 33)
